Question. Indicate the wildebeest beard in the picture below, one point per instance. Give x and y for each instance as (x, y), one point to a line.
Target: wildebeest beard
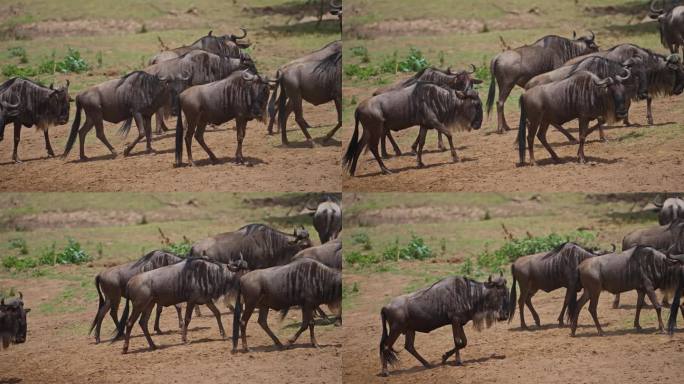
(210, 278)
(38, 105)
(328, 73)
(143, 92)
(250, 96)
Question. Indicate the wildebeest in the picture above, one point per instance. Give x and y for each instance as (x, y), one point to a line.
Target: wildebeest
(329, 253)
(201, 66)
(459, 81)
(305, 283)
(451, 301)
(664, 74)
(194, 281)
(328, 220)
(242, 96)
(315, 78)
(13, 326)
(37, 105)
(582, 96)
(641, 268)
(664, 238)
(260, 245)
(425, 104)
(519, 65)
(547, 271)
(226, 45)
(111, 287)
(670, 210)
(670, 25)
(137, 95)
(336, 9)
(601, 67)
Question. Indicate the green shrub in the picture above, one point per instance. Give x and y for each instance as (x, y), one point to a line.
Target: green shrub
(361, 238)
(414, 62)
(19, 52)
(72, 63)
(19, 263)
(360, 72)
(416, 249)
(362, 53)
(11, 70)
(19, 244)
(180, 249)
(72, 254)
(361, 259)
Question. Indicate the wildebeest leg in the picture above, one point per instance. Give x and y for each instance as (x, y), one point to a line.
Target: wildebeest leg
(391, 339)
(99, 133)
(616, 301)
(583, 132)
(241, 126)
(141, 133)
(504, 90)
(565, 132)
(82, 132)
(421, 143)
(395, 146)
(593, 303)
(198, 313)
(566, 301)
(159, 121)
(299, 117)
(543, 128)
(244, 320)
(338, 106)
(531, 133)
(373, 140)
(180, 317)
(440, 142)
(408, 345)
(199, 136)
(312, 334)
(192, 123)
(217, 314)
(524, 289)
(307, 319)
(640, 303)
(649, 112)
(283, 129)
(114, 308)
(144, 319)
(575, 316)
(135, 313)
(48, 147)
(188, 317)
(156, 320)
(528, 301)
(147, 121)
(650, 291)
(101, 313)
(460, 342)
(263, 322)
(17, 137)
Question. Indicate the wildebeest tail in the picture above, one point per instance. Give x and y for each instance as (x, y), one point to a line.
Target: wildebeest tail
(74, 129)
(274, 97)
(99, 305)
(179, 137)
(125, 127)
(572, 298)
(354, 148)
(236, 318)
(387, 354)
(674, 309)
(122, 322)
(512, 298)
(283, 313)
(2, 126)
(522, 131)
(282, 99)
(492, 87)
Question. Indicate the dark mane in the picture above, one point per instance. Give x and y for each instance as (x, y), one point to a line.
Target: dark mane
(156, 259)
(143, 90)
(328, 73)
(583, 92)
(564, 47)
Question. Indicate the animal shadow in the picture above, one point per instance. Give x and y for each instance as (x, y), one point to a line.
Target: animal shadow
(10, 380)
(249, 161)
(573, 159)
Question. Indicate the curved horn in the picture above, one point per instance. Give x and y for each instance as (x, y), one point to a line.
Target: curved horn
(654, 10)
(623, 78)
(7, 105)
(335, 5)
(679, 258)
(68, 83)
(210, 32)
(614, 247)
(603, 82)
(672, 58)
(244, 34)
(186, 77)
(658, 205)
(593, 36)
(248, 76)
(474, 69)
(574, 35)
(21, 295)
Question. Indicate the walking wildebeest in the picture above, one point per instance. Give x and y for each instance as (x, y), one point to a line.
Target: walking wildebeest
(670, 25)
(305, 283)
(241, 96)
(425, 104)
(672, 321)
(664, 74)
(602, 68)
(194, 281)
(641, 268)
(137, 95)
(670, 210)
(454, 300)
(37, 105)
(519, 65)
(328, 220)
(547, 271)
(202, 67)
(459, 81)
(226, 45)
(664, 238)
(330, 254)
(13, 326)
(582, 96)
(315, 78)
(260, 245)
(111, 287)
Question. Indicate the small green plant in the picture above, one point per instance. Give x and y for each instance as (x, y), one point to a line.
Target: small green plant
(19, 52)
(360, 72)
(487, 215)
(362, 53)
(354, 100)
(143, 29)
(98, 58)
(11, 70)
(467, 267)
(414, 62)
(361, 238)
(48, 255)
(20, 245)
(441, 58)
(19, 263)
(361, 259)
(72, 63)
(72, 254)
(180, 249)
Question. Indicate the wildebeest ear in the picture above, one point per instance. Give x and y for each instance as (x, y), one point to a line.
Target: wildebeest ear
(52, 85)
(210, 32)
(67, 83)
(21, 295)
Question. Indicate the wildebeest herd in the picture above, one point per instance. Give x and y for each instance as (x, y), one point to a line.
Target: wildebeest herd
(211, 81)
(651, 259)
(564, 79)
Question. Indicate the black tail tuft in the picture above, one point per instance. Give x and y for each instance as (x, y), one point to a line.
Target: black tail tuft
(492, 87)
(74, 130)
(353, 149)
(572, 299)
(512, 298)
(282, 113)
(236, 319)
(522, 131)
(387, 354)
(125, 127)
(179, 138)
(99, 305)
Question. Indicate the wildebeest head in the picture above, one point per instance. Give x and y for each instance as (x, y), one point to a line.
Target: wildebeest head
(496, 296)
(586, 42)
(674, 64)
(258, 90)
(336, 8)
(638, 69)
(58, 104)
(614, 87)
(472, 108)
(301, 238)
(230, 38)
(655, 12)
(14, 314)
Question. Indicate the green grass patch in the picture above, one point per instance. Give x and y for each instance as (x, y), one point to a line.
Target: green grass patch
(415, 249)
(71, 63)
(413, 62)
(71, 254)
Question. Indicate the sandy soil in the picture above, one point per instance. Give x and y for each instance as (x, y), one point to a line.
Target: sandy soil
(505, 354)
(646, 158)
(272, 167)
(58, 351)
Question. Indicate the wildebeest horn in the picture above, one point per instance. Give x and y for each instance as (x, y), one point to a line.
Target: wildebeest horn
(474, 69)
(574, 35)
(604, 82)
(162, 78)
(658, 205)
(186, 77)
(448, 71)
(248, 76)
(614, 247)
(654, 11)
(68, 83)
(244, 34)
(335, 5)
(623, 78)
(593, 36)
(7, 105)
(21, 295)
(210, 32)
(679, 258)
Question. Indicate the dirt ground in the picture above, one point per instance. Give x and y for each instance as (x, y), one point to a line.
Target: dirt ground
(634, 159)
(57, 350)
(505, 353)
(272, 166)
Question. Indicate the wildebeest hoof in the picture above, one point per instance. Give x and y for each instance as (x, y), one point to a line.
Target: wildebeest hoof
(17, 161)
(153, 347)
(386, 171)
(384, 374)
(421, 165)
(51, 154)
